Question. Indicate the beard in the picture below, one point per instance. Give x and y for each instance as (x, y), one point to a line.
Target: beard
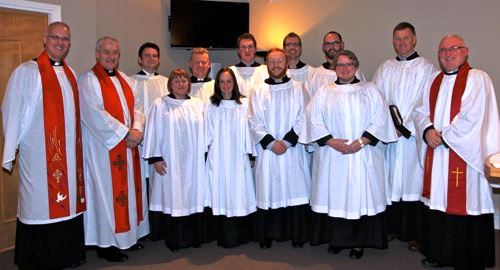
(330, 54)
(275, 75)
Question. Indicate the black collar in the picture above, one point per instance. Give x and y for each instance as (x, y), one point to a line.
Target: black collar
(273, 81)
(337, 82)
(411, 57)
(111, 73)
(52, 62)
(171, 95)
(196, 80)
(300, 64)
(142, 72)
(327, 65)
(241, 64)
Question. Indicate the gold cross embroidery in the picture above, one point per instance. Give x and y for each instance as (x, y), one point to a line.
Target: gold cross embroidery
(57, 175)
(121, 199)
(119, 162)
(457, 172)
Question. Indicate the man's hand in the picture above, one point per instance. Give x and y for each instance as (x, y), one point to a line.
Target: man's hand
(134, 138)
(160, 167)
(338, 144)
(279, 147)
(433, 138)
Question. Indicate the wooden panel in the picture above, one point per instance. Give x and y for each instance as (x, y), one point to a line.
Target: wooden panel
(21, 35)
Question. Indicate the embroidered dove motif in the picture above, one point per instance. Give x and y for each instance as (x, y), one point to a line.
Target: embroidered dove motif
(60, 197)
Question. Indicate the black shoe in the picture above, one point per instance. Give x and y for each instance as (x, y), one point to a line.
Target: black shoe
(414, 246)
(265, 245)
(135, 247)
(80, 263)
(172, 249)
(111, 254)
(333, 250)
(197, 245)
(356, 254)
(297, 244)
(430, 263)
(391, 237)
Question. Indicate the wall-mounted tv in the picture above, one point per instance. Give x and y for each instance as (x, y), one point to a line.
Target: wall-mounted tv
(208, 24)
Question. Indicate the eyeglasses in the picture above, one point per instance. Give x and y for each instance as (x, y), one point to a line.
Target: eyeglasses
(297, 44)
(332, 44)
(58, 38)
(247, 47)
(452, 49)
(345, 65)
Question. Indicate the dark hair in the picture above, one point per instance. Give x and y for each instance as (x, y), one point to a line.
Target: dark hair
(332, 32)
(176, 73)
(246, 36)
(403, 26)
(149, 45)
(290, 35)
(217, 97)
(349, 55)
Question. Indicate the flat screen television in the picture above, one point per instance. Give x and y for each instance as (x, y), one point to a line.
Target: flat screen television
(208, 24)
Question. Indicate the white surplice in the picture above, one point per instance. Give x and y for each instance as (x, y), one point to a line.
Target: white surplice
(402, 83)
(228, 165)
(474, 134)
(280, 180)
(23, 127)
(321, 77)
(101, 132)
(202, 90)
(148, 88)
(176, 132)
(249, 78)
(348, 186)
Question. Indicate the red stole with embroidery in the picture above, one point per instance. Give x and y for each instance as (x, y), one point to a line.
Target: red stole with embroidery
(457, 168)
(55, 140)
(118, 155)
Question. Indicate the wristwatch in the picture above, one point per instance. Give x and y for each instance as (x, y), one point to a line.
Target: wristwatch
(361, 143)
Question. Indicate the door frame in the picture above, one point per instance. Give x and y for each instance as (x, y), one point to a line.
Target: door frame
(53, 11)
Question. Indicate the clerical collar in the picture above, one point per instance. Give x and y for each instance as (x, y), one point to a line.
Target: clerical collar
(337, 82)
(274, 81)
(52, 62)
(171, 95)
(327, 65)
(300, 64)
(143, 72)
(241, 64)
(410, 57)
(453, 72)
(111, 73)
(194, 79)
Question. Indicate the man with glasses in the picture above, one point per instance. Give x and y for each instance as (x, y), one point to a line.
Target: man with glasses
(41, 120)
(457, 128)
(249, 73)
(325, 74)
(202, 86)
(282, 176)
(298, 70)
(402, 80)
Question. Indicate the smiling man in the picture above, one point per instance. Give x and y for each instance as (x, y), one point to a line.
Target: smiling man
(202, 86)
(457, 128)
(112, 129)
(402, 81)
(41, 107)
(282, 176)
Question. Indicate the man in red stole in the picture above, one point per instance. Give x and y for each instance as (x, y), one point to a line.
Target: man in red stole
(459, 128)
(112, 129)
(41, 119)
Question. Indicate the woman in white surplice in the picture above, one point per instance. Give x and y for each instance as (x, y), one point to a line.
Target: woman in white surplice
(228, 165)
(175, 144)
(346, 120)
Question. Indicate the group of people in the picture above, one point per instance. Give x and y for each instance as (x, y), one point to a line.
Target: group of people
(263, 153)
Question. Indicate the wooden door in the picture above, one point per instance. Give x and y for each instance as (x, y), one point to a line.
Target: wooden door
(21, 34)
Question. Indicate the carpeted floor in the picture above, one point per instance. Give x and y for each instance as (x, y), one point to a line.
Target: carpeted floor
(281, 256)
